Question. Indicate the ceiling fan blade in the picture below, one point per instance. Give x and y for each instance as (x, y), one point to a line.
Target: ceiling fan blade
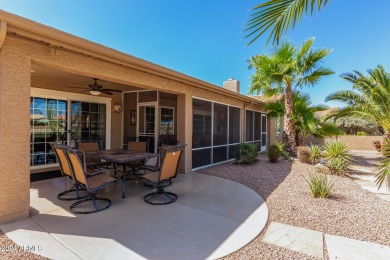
(75, 87)
(105, 91)
(112, 90)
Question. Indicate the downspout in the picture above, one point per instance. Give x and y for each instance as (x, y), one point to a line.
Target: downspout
(3, 32)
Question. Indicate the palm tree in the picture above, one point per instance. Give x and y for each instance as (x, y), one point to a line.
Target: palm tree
(370, 100)
(284, 69)
(279, 15)
(304, 116)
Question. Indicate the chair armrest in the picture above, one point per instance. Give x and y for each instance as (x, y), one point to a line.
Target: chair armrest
(94, 172)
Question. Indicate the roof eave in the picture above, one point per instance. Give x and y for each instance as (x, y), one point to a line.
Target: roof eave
(55, 37)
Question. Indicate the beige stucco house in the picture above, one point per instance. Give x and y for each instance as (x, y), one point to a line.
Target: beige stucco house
(45, 97)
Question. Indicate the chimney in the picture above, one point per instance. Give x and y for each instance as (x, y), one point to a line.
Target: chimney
(232, 85)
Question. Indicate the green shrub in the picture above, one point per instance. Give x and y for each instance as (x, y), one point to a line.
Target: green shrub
(304, 154)
(246, 153)
(282, 149)
(337, 155)
(315, 153)
(361, 133)
(335, 148)
(337, 166)
(273, 153)
(319, 185)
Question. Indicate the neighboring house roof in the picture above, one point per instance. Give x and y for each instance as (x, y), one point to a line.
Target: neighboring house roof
(324, 113)
(30, 29)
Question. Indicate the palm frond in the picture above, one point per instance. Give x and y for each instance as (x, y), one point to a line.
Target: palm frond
(279, 16)
(383, 172)
(346, 96)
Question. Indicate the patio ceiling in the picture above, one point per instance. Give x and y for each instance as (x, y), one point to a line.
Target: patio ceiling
(65, 79)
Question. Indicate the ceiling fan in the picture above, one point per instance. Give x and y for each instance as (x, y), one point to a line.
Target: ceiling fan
(96, 89)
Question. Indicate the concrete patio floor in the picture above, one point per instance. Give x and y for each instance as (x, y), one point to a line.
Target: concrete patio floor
(213, 217)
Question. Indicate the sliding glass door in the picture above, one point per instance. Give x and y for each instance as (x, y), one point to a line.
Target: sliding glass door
(88, 123)
(65, 121)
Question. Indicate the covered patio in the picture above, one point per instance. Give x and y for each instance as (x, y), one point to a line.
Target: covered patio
(213, 217)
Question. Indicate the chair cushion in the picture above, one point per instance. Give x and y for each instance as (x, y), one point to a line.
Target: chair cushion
(99, 180)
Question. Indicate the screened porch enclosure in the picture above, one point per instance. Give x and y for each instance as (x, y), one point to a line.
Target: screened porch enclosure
(215, 132)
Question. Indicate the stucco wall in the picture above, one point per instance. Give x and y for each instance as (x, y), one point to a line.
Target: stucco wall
(14, 134)
(272, 131)
(355, 142)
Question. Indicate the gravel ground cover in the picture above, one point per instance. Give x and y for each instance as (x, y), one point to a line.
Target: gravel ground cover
(351, 211)
(9, 250)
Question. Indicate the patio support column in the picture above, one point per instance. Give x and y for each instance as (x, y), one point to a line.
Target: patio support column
(184, 130)
(15, 78)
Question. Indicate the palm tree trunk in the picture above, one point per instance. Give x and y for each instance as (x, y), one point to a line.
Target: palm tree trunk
(289, 126)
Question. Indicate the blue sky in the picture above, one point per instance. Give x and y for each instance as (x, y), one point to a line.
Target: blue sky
(202, 38)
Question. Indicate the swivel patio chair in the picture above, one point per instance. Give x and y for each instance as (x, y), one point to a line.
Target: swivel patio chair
(156, 167)
(88, 146)
(66, 170)
(134, 165)
(162, 178)
(92, 184)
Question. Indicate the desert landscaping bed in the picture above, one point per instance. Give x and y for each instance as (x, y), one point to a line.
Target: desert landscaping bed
(350, 211)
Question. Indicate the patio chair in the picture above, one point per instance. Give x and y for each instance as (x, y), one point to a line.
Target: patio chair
(157, 165)
(170, 157)
(92, 184)
(66, 170)
(134, 165)
(88, 146)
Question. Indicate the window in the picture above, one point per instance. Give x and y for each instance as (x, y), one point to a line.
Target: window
(278, 125)
(167, 122)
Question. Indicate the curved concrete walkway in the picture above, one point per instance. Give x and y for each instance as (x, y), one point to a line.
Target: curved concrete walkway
(213, 217)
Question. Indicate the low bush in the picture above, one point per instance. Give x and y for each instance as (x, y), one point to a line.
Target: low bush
(362, 133)
(315, 153)
(338, 166)
(335, 148)
(377, 145)
(273, 153)
(246, 153)
(320, 186)
(282, 149)
(304, 154)
(338, 156)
